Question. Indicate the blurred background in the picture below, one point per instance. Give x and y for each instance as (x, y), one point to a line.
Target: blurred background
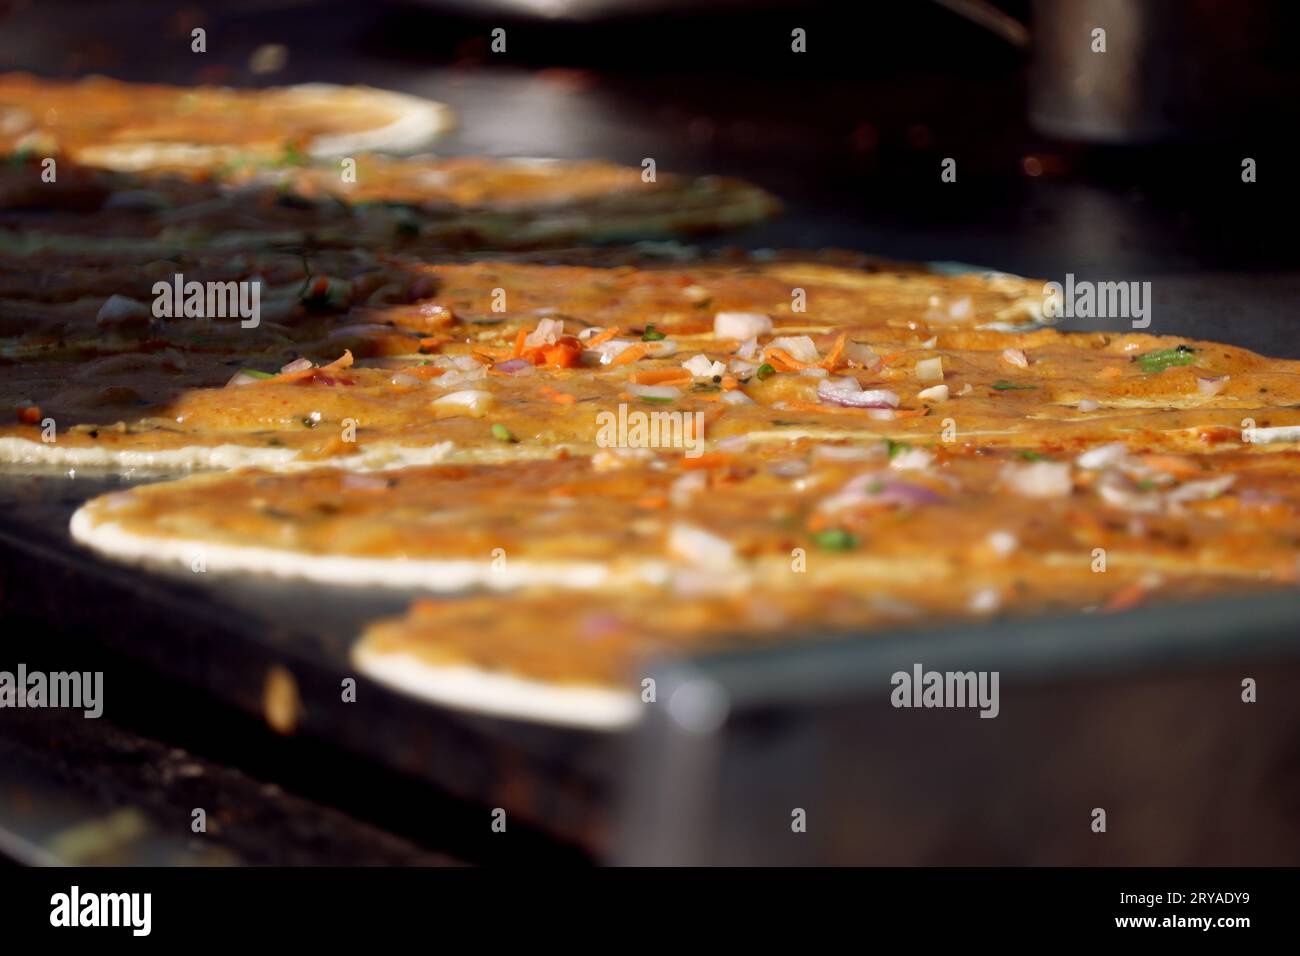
(1125, 164)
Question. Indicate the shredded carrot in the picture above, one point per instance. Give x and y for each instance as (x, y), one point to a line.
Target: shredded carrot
(889, 358)
(652, 501)
(519, 343)
(785, 362)
(493, 354)
(630, 355)
(1125, 598)
(911, 412)
(1170, 464)
(714, 459)
(837, 350)
(602, 337)
(340, 363)
(730, 383)
(431, 342)
(660, 376)
(559, 398)
(565, 353)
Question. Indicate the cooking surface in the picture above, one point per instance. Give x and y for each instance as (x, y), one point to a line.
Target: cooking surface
(858, 169)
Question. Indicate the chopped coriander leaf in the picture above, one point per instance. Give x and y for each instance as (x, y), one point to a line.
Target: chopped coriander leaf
(1002, 385)
(256, 374)
(894, 447)
(764, 371)
(1146, 485)
(501, 433)
(1162, 359)
(651, 335)
(661, 399)
(835, 539)
(292, 155)
(1034, 456)
(705, 387)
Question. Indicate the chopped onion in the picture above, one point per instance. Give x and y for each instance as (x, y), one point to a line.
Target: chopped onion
(881, 414)
(297, 365)
(701, 366)
(1015, 357)
(654, 391)
(242, 378)
(800, 347)
(406, 380)
(1211, 386)
(747, 349)
(741, 367)
(840, 392)
(935, 393)
(930, 370)
(1003, 542)
(741, 325)
(856, 353)
(879, 488)
(1039, 479)
(911, 459)
(547, 331)
(1201, 490)
(1102, 456)
(514, 366)
(736, 397)
(661, 349)
(814, 372)
(700, 547)
(1088, 405)
(472, 400)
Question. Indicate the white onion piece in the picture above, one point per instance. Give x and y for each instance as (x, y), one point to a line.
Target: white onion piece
(547, 331)
(474, 401)
(1003, 542)
(1102, 456)
(1088, 405)
(456, 378)
(701, 366)
(736, 397)
(747, 349)
(1039, 479)
(661, 349)
(1211, 386)
(699, 547)
(741, 367)
(814, 372)
(654, 391)
(242, 378)
(911, 459)
(935, 393)
(297, 365)
(930, 370)
(800, 347)
(838, 392)
(858, 354)
(881, 414)
(741, 325)
(1201, 490)
(406, 380)
(1015, 357)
